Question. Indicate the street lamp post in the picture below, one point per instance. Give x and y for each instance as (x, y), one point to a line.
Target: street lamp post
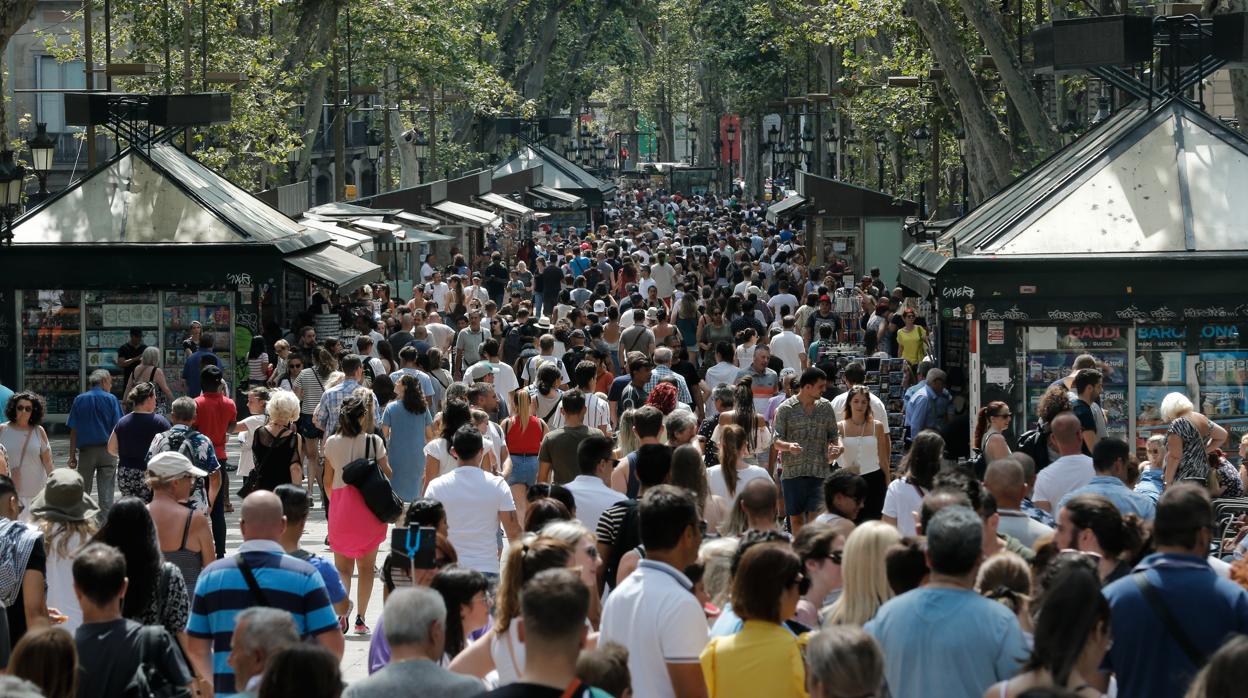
(372, 150)
(921, 137)
(691, 133)
(960, 134)
(420, 148)
(732, 138)
(879, 159)
(808, 147)
(718, 143)
(829, 142)
(12, 176)
(42, 148)
(773, 143)
(292, 159)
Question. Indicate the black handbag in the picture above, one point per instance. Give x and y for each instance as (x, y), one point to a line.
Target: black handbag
(365, 475)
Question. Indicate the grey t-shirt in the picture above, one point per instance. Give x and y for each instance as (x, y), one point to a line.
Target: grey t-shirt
(470, 343)
(637, 338)
(412, 677)
(108, 656)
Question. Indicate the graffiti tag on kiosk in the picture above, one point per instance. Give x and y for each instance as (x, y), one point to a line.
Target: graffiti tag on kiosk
(958, 292)
(1073, 316)
(1163, 313)
(1131, 313)
(1012, 314)
(238, 279)
(1212, 311)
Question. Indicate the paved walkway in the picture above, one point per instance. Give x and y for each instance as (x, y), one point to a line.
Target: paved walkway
(355, 659)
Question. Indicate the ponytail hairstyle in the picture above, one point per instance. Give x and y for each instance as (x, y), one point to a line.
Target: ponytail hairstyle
(1119, 536)
(743, 408)
(731, 439)
(746, 335)
(524, 408)
(547, 376)
(995, 408)
(525, 558)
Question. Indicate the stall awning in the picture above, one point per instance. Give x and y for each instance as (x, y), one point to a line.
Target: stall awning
(469, 214)
(557, 197)
(783, 208)
(505, 205)
(336, 268)
(416, 219)
(352, 241)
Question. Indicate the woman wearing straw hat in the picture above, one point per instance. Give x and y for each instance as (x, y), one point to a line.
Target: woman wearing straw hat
(66, 515)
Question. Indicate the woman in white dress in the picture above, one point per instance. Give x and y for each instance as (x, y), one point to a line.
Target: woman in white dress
(25, 441)
(866, 448)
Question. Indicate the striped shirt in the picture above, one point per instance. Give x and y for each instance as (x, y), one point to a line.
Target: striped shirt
(221, 593)
(312, 387)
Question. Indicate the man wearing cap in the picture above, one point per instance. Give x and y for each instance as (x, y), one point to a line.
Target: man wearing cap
(822, 316)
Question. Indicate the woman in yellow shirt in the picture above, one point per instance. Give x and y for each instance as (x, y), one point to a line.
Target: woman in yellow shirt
(911, 339)
(765, 658)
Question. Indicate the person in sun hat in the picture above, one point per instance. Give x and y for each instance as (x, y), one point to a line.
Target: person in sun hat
(67, 515)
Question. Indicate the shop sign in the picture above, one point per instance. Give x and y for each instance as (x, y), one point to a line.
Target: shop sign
(996, 332)
(1088, 337)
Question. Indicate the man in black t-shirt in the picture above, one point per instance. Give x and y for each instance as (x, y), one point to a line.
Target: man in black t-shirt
(129, 354)
(110, 647)
(496, 277)
(552, 284)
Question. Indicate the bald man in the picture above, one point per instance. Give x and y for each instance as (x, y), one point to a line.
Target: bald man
(1007, 482)
(758, 504)
(1069, 472)
(261, 574)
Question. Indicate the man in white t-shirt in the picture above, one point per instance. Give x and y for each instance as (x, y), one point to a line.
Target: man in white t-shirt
(429, 268)
(476, 503)
(724, 372)
(438, 290)
(593, 497)
(1069, 472)
(653, 612)
(664, 276)
(789, 347)
(505, 383)
(440, 333)
(783, 299)
(856, 374)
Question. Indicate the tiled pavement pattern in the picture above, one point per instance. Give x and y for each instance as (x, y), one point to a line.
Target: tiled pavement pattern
(355, 659)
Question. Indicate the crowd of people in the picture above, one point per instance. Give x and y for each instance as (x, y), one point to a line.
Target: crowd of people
(627, 462)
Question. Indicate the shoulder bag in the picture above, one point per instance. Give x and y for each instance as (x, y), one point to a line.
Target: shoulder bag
(365, 475)
(148, 680)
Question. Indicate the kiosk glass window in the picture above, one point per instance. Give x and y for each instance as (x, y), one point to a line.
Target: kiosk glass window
(1051, 352)
(213, 310)
(1221, 372)
(1160, 368)
(110, 315)
(52, 346)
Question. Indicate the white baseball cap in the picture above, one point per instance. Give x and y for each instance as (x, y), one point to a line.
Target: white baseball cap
(168, 465)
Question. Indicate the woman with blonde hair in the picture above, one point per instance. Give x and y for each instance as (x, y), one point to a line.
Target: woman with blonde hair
(1189, 440)
(68, 521)
(1006, 577)
(626, 442)
(500, 648)
(355, 532)
(864, 575)
(523, 433)
(149, 371)
(276, 447)
(585, 556)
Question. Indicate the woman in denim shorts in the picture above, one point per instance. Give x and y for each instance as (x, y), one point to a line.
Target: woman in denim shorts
(524, 432)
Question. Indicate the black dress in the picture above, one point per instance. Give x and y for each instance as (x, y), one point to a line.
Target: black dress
(273, 455)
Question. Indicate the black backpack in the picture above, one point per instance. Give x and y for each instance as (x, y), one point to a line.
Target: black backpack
(626, 538)
(513, 343)
(148, 680)
(1035, 443)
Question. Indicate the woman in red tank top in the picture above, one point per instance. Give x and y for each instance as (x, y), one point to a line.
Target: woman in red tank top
(524, 433)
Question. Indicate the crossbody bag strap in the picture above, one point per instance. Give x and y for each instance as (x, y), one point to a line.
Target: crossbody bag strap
(1194, 655)
(256, 592)
(553, 409)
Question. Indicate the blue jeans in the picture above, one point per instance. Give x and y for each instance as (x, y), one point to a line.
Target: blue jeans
(537, 304)
(523, 470)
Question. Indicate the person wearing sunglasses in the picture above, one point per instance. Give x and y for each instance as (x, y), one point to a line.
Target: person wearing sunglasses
(990, 424)
(821, 548)
(764, 658)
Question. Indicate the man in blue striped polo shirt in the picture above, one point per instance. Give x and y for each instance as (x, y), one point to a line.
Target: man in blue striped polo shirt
(278, 580)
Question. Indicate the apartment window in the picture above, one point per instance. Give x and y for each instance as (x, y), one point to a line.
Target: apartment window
(51, 105)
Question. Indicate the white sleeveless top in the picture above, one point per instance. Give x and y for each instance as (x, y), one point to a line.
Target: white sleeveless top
(508, 655)
(861, 452)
